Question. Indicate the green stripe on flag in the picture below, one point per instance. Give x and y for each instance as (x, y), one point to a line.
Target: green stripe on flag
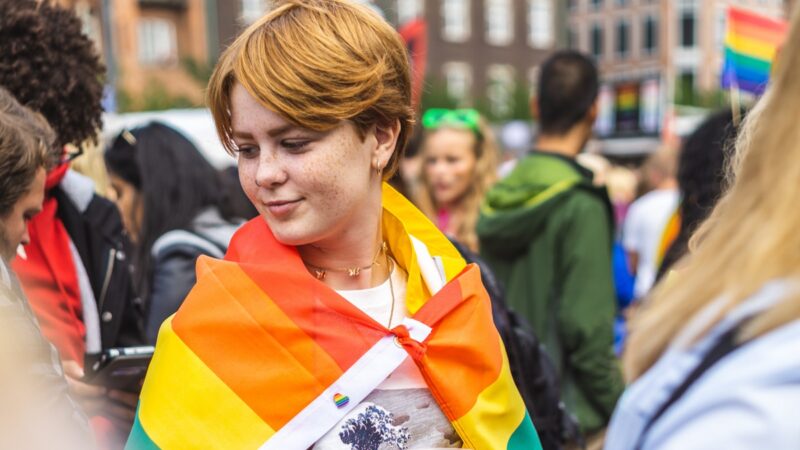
(747, 62)
(524, 436)
(138, 439)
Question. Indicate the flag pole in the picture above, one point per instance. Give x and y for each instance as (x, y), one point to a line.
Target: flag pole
(736, 104)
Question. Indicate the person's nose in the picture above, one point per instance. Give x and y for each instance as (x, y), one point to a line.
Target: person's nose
(26, 237)
(271, 170)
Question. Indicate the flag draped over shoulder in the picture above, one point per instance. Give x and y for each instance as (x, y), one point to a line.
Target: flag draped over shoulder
(751, 43)
(263, 355)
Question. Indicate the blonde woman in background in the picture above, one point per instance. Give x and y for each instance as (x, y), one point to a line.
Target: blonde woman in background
(714, 357)
(459, 158)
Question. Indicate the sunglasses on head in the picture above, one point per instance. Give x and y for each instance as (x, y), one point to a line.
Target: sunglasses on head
(459, 118)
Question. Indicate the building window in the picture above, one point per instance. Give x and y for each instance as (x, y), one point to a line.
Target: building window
(572, 39)
(573, 5)
(158, 44)
(596, 4)
(499, 22)
(621, 2)
(408, 10)
(458, 79)
(540, 23)
(623, 37)
(650, 35)
(500, 90)
(252, 10)
(685, 89)
(457, 17)
(688, 24)
(597, 40)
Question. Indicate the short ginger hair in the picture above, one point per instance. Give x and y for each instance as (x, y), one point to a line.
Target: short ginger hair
(317, 63)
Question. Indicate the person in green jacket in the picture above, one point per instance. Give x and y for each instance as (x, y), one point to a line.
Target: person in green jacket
(546, 230)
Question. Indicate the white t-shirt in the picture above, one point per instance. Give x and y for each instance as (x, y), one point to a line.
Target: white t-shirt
(644, 227)
(400, 413)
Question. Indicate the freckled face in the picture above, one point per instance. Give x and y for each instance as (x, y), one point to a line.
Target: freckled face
(309, 186)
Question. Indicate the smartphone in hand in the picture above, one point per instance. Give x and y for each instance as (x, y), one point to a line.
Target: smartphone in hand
(121, 368)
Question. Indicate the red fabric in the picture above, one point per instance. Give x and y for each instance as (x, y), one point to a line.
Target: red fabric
(50, 280)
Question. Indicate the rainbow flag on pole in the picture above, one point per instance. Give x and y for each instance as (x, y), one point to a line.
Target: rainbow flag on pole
(751, 43)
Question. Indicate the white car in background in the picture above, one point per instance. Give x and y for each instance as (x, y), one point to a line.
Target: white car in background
(196, 124)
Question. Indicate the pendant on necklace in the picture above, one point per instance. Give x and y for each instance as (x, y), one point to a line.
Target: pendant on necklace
(354, 272)
(320, 274)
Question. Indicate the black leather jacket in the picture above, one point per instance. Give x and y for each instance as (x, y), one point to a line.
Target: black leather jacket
(94, 225)
(174, 255)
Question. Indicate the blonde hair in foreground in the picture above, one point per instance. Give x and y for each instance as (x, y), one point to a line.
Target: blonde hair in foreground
(484, 176)
(316, 63)
(750, 238)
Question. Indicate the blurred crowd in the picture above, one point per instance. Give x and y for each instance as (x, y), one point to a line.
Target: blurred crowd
(672, 279)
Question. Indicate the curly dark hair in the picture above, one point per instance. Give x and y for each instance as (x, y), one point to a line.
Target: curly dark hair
(50, 66)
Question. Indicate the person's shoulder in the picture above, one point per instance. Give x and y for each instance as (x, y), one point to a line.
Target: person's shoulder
(184, 244)
(584, 200)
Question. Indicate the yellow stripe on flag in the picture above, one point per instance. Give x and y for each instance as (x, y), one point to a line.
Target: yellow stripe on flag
(497, 413)
(753, 48)
(189, 407)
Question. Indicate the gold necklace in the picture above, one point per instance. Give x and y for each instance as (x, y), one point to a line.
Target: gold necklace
(320, 272)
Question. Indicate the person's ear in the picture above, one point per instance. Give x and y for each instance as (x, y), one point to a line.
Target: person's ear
(386, 136)
(534, 107)
(591, 116)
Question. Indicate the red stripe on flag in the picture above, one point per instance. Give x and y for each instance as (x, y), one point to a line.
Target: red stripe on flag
(742, 16)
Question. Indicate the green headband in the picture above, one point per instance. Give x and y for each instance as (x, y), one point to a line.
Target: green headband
(458, 118)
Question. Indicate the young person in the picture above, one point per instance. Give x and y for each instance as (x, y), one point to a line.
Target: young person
(338, 317)
(37, 410)
(547, 231)
(459, 158)
(169, 196)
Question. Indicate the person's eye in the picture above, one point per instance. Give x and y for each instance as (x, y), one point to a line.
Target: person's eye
(247, 151)
(295, 145)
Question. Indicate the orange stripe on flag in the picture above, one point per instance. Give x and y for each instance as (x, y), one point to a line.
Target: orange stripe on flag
(339, 328)
(467, 349)
(767, 35)
(251, 345)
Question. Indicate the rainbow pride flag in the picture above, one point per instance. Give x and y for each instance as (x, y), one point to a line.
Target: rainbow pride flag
(263, 355)
(751, 43)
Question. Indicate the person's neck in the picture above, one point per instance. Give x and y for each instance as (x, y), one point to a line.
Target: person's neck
(569, 144)
(5, 272)
(668, 184)
(357, 246)
(455, 211)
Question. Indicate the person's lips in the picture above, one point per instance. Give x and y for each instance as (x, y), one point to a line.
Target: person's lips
(282, 208)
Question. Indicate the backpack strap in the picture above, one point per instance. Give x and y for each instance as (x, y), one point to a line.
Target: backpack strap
(724, 346)
(184, 237)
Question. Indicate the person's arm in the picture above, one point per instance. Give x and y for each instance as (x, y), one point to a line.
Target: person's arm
(738, 418)
(587, 305)
(173, 278)
(34, 394)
